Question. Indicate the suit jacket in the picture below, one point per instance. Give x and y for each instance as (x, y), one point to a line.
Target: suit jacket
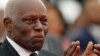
(7, 50)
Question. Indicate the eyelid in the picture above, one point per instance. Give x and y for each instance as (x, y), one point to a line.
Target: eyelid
(44, 20)
(29, 20)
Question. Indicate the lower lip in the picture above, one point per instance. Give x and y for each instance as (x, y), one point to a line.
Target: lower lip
(36, 40)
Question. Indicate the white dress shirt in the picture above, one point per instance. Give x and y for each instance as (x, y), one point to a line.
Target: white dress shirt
(20, 50)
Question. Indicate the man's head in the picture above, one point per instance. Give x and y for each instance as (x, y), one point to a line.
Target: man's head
(26, 23)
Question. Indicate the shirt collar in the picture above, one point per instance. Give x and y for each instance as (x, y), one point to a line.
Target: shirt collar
(21, 51)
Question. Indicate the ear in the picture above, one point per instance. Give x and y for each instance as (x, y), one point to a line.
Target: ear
(8, 24)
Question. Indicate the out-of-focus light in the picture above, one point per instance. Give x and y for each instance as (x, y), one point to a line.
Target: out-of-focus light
(70, 9)
(3, 3)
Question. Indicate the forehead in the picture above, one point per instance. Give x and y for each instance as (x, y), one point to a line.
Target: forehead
(18, 8)
(35, 13)
(33, 10)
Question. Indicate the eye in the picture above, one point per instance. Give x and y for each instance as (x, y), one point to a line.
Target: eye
(29, 20)
(44, 21)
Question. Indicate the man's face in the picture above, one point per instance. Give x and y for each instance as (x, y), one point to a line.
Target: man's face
(30, 29)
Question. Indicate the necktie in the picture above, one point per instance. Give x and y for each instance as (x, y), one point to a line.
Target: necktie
(33, 54)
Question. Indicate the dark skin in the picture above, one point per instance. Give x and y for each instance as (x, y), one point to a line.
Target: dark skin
(74, 49)
(27, 26)
(97, 49)
(28, 30)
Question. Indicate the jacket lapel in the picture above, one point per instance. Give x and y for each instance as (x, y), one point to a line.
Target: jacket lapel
(8, 49)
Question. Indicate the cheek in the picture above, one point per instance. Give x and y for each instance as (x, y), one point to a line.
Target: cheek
(25, 31)
(45, 29)
(22, 28)
(22, 32)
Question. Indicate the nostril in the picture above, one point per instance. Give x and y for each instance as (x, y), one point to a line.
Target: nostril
(38, 28)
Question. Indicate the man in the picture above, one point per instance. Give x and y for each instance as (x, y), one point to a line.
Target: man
(26, 25)
(25, 22)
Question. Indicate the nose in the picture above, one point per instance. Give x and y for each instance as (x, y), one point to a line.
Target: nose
(38, 27)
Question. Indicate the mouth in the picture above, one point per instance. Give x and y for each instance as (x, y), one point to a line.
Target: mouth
(37, 39)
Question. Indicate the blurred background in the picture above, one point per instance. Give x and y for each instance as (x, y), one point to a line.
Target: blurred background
(69, 20)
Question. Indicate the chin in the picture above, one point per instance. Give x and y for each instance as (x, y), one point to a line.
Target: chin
(36, 47)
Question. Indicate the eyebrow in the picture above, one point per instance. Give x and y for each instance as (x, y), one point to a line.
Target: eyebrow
(35, 16)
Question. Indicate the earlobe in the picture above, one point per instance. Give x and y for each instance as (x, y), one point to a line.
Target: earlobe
(7, 23)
